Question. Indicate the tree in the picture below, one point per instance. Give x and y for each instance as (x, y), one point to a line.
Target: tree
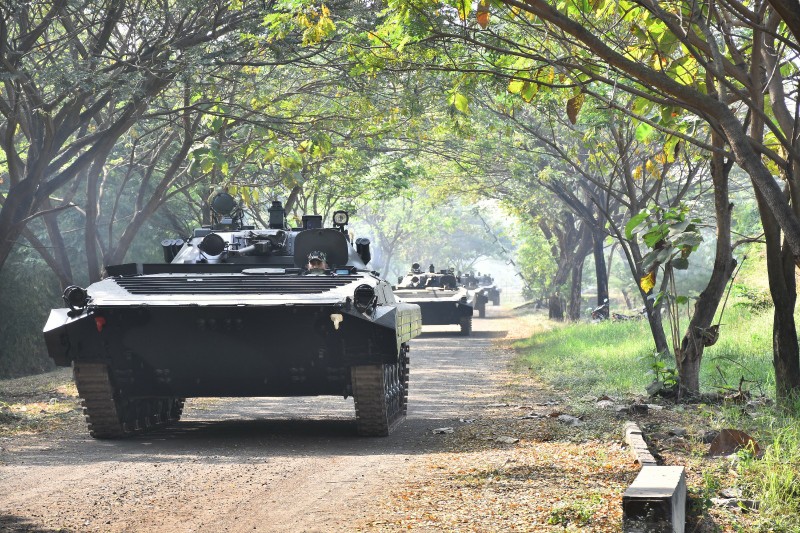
(670, 58)
(79, 76)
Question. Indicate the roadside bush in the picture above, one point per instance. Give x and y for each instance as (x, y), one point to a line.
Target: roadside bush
(29, 290)
(751, 298)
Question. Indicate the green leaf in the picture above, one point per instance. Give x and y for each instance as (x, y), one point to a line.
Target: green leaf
(692, 240)
(680, 263)
(460, 102)
(529, 90)
(659, 297)
(634, 223)
(642, 106)
(644, 132)
(655, 235)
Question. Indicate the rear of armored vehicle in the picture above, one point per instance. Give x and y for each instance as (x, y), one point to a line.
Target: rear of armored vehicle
(441, 300)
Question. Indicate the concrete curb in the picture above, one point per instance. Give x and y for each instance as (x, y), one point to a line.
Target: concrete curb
(656, 500)
(635, 439)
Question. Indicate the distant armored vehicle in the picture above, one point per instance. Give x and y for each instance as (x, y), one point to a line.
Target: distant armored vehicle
(440, 297)
(238, 311)
(485, 290)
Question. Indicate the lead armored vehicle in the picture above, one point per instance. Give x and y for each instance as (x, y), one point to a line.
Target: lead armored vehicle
(439, 295)
(234, 312)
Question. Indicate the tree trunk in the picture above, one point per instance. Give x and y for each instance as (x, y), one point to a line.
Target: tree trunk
(655, 322)
(785, 353)
(556, 307)
(633, 257)
(600, 270)
(574, 308)
(780, 259)
(64, 271)
(782, 287)
(700, 333)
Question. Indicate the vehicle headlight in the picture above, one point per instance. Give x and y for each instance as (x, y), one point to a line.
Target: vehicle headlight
(363, 297)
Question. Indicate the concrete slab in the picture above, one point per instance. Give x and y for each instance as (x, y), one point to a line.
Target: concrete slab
(656, 501)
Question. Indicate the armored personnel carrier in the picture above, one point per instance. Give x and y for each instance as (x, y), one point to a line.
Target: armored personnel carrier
(438, 294)
(235, 311)
(484, 288)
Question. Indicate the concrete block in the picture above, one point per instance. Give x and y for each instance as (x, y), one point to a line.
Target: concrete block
(634, 439)
(656, 501)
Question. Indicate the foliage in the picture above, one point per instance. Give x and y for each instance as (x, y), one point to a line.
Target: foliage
(751, 298)
(535, 261)
(418, 229)
(29, 291)
(668, 376)
(671, 234)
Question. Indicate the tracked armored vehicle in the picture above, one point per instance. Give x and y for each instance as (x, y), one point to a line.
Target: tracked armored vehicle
(485, 291)
(234, 312)
(440, 297)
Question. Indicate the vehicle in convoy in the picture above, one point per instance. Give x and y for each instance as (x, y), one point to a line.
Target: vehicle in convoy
(439, 295)
(234, 312)
(485, 290)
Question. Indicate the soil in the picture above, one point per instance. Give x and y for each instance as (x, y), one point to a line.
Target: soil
(296, 464)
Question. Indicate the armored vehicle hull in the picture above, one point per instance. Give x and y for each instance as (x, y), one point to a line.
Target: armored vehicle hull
(440, 299)
(481, 299)
(148, 336)
(485, 291)
(491, 293)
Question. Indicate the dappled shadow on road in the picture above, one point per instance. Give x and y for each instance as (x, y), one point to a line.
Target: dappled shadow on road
(17, 524)
(457, 334)
(246, 441)
(240, 441)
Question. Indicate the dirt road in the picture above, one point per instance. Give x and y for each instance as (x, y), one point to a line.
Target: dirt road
(259, 464)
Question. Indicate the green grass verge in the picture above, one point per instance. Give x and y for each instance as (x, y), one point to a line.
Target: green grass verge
(614, 358)
(774, 480)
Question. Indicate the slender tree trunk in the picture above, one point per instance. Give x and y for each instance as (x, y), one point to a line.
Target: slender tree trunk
(600, 269)
(780, 259)
(656, 323)
(786, 358)
(782, 287)
(700, 332)
(633, 256)
(574, 308)
(59, 247)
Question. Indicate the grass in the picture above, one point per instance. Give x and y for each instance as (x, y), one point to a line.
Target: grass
(614, 359)
(34, 404)
(774, 480)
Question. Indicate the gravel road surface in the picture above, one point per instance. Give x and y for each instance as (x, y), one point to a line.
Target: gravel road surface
(253, 464)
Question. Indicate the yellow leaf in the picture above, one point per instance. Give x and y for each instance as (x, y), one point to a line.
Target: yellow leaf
(648, 282)
(574, 105)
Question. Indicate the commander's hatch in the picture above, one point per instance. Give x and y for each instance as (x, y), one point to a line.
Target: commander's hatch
(331, 241)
